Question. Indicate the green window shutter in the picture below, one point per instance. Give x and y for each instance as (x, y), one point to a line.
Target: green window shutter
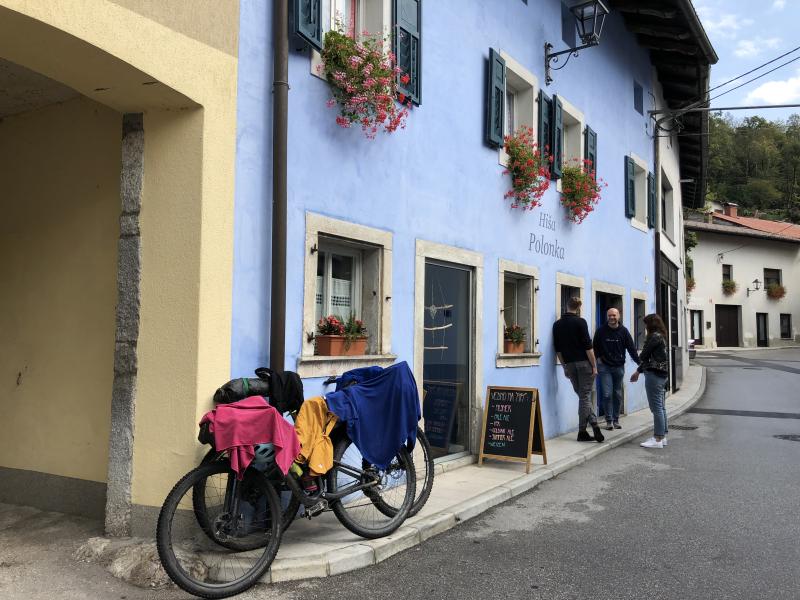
(545, 116)
(407, 27)
(651, 200)
(630, 188)
(557, 136)
(590, 147)
(495, 99)
(306, 19)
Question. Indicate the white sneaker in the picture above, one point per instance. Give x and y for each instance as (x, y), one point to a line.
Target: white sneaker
(664, 441)
(652, 443)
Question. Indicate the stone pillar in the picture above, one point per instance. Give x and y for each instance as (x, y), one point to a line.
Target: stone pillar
(123, 399)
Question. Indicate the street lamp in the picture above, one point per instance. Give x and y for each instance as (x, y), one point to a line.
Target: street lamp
(589, 18)
(756, 287)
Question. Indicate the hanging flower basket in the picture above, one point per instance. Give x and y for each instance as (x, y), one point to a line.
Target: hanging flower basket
(529, 167)
(729, 287)
(690, 284)
(580, 189)
(776, 291)
(363, 80)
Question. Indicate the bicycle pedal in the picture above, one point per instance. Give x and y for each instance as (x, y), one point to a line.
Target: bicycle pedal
(313, 511)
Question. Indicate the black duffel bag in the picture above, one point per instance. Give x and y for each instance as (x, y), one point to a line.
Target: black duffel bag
(283, 390)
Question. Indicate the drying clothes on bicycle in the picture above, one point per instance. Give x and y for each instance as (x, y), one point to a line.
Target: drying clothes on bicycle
(239, 426)
(381, 413)
(313, 425)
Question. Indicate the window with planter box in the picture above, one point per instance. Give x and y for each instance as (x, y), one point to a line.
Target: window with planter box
(772, 277)
(348, 273)
(511, 100)
(397, 20)
(517, 293)
(727, 273)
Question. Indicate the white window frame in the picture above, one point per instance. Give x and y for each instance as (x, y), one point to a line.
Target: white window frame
(377, 20)
(666, 196)
(525, 86)
(520, 271)
(309, 365)
(331, 246)
(639, 219)
(572, 141)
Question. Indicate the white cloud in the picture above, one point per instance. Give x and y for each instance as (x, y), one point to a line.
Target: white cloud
(785, 91)
(719, 24)
(779, 5)
(752, 48)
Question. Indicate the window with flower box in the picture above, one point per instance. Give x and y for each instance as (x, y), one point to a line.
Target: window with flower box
(517, 294)
(399, 21)
(348, 272)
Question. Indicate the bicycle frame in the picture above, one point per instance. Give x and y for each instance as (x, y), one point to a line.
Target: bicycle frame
(309, 501)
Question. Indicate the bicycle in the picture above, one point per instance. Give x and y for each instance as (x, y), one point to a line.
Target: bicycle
(217, 535)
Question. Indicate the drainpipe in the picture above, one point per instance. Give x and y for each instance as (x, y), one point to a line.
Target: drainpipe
(280, 112)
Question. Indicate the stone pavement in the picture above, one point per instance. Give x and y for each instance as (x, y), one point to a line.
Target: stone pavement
(461, 490)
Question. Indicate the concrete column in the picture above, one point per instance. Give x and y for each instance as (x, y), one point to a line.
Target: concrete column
(123, 399)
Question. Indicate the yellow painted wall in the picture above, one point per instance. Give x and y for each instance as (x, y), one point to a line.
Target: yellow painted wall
(182, 74)
(60, 205)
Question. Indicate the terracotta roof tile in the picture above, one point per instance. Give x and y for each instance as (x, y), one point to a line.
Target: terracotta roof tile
(774, 227)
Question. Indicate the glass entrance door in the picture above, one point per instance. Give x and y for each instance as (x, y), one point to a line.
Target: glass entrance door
(447, 359)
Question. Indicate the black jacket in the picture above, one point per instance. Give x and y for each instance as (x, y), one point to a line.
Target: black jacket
(654, 355)
(571, 338)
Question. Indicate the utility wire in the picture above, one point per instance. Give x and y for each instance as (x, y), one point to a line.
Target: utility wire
(754, 78)
(753, 70)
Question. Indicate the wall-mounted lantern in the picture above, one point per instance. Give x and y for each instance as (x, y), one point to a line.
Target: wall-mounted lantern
(756, 286)
(589, 19)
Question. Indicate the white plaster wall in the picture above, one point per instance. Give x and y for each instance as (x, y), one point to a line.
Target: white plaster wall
(748, 257)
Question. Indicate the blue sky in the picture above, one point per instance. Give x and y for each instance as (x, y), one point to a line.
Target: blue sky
(745, 34)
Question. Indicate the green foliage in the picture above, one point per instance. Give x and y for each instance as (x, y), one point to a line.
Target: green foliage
(515, 333)
(729, 287)
(756, 164)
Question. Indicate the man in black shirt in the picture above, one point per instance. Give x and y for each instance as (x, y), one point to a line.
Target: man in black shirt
(610, 343)
(574, 350)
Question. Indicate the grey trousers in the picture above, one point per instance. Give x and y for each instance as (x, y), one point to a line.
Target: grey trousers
(580, 375)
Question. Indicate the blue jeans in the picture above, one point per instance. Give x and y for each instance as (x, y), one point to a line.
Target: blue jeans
(611, 379)
(654, 386)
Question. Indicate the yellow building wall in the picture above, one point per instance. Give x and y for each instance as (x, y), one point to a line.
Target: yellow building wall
(60, 205)
(181, 72)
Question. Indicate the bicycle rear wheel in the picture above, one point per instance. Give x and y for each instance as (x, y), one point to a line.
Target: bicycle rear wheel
(358, 511)
(423, 465)
(245, 515)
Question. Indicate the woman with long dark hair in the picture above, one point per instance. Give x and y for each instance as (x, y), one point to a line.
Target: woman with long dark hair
(655, 366)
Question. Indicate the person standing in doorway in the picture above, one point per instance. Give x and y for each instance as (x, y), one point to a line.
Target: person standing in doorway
(574, 349)
(654, 363)
(610, 343)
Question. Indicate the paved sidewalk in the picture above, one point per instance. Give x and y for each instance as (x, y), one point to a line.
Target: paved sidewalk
(461, 490)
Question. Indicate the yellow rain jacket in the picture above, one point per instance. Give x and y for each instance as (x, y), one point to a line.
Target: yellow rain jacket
(313, 426)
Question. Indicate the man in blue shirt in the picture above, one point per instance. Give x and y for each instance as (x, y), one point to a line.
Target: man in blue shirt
(610, 343)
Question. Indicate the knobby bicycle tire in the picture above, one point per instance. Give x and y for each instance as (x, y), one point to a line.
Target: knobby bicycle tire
(346, 510)
(193, 579)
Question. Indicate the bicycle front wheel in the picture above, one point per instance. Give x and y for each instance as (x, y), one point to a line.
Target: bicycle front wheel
(358, 511)
(245, 515)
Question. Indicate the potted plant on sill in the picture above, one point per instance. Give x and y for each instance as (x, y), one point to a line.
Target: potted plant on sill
(729, 287)
(363, 79)
(529, 167)
(341, 338)
(776, 291)
(580, 189)
(514, 339)
(690, 285)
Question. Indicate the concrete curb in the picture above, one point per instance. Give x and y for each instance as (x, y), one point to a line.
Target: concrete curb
(369, 552)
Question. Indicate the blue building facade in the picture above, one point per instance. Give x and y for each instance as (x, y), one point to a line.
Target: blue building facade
(411, 231)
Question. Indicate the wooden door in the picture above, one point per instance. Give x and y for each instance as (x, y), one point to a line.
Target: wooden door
(727, 317)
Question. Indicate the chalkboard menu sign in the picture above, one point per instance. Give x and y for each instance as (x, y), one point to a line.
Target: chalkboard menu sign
(512, 426)
(439, 411)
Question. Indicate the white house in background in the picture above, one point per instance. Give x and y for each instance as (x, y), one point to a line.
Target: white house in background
(752, 253)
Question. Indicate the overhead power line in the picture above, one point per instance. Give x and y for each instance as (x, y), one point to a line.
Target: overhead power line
(788, 62)
(777, 58)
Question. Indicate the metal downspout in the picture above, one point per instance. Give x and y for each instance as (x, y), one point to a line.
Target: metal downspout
(280, 115)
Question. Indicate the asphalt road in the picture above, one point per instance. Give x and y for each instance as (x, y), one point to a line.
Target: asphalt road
(713, 516)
